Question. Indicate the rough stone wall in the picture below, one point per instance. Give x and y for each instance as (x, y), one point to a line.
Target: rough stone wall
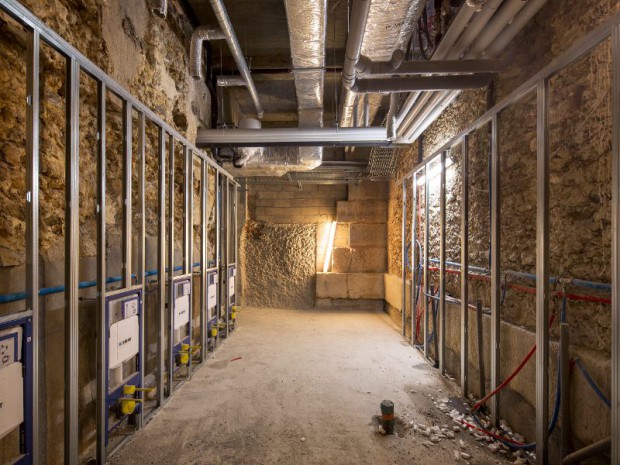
(149, 57)
(280, 217)
(279, 264)
(580, 147)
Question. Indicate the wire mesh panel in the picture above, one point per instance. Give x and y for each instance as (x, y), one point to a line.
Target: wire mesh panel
(382, 163)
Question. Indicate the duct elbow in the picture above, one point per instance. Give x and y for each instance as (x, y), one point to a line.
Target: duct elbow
(160, 8)
(200, 34)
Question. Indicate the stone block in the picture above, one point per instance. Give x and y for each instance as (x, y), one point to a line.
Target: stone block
(367, 235)
(362, 212)
(350, 304)
(363, 260)
(365, 286)
(331, 285)
(341, 239)
(369, 191)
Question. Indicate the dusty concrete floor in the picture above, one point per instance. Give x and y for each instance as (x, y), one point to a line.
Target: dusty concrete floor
(303, 374)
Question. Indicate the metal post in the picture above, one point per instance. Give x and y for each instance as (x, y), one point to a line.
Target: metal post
(442, 266)
(465, 269)
(615, 217)
(426, 272)
(565, 387)
(542, 275)
(127, 225)
(227, 255)
(189, 242)
(141, 247)
(481, 371)
(72, 257)
(161, 265)
(32, 223)
(170, 328)
(102, 342)
(403, 246)
(494, 185)
(203, 259)
(414, 253)
(218, 244)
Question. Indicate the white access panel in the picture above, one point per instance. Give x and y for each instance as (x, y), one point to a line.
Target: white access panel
(231, 283)
(10, 346)
(181, 311)
(11, 398)
(212, 295)
(124, 340)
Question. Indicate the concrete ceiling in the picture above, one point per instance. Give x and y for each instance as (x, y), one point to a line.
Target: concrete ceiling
(262, 30)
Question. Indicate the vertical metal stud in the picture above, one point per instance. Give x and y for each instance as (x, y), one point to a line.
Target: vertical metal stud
(72, 257)
(442, 266)
(615, 217)
(465, 268)
(542, 275)
(141, 252)
(218, 246)
(161, 264)
(227, 255)
(127, 176)
(189, 242)
(203, 259)
(102, 342)
(32, 223)
(170, 328)
(403, 246)
(426, 272)
(494, 184)
(414, 252)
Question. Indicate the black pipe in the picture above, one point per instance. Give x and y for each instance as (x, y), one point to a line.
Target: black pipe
(587, 452)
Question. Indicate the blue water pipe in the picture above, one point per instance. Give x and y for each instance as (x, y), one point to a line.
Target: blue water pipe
(17, 296)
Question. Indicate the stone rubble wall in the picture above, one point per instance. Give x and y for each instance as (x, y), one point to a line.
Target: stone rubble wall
(580, 208)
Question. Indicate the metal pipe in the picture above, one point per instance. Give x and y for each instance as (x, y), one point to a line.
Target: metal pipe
(237, 53)
(353, 51)
(500, 41)
(230, 81)
(422, 83)
(367, 67)
(291, 136)
(587, 452)
(200, 34)
(160, 8)
(127, 204)
(500, 20)
(391, 118)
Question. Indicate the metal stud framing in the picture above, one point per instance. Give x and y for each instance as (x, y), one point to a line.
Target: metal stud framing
(32, 233)
(442, 266)
(615, 309)
(414, 252)
(540, 84)
(72, 248)
(464, 268)
(403, 260)
(76, 64)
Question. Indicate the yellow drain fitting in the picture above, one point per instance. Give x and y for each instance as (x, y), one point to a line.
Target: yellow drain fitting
(213, 331)
(184, 353)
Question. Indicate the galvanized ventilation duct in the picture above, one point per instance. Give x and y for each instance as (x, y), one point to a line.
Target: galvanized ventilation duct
(389, 26)
(306, 26)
